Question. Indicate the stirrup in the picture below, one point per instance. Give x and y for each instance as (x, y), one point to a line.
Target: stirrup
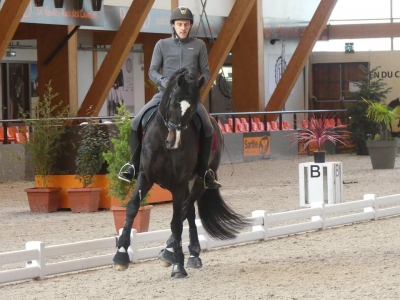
(120, 176)
(212, 174)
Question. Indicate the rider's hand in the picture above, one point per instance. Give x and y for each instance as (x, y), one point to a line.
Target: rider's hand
(164, 82)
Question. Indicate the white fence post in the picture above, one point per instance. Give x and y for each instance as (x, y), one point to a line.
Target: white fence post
(133, 248)
(264, 226)
(41, 260)
(322, 216)
(373, 209)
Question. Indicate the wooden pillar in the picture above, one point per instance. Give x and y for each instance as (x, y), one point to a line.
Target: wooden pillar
(10, 16)
(62, 69)
(248, 64)
(226, 38)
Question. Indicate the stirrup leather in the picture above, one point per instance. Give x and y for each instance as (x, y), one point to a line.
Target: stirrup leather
(124, 166)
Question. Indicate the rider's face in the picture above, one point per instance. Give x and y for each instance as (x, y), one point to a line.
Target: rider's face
(182, 28)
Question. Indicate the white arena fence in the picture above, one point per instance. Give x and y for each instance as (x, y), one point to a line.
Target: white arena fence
(319, 216)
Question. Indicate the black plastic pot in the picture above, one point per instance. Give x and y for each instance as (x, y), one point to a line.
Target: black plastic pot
(319, 157)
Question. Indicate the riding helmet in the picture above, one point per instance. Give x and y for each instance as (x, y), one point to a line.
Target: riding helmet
(181, 13)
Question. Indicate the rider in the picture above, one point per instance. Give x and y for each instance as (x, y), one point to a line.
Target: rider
(171, 54)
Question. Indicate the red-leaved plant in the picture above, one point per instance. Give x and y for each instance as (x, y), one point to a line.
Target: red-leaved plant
(318, 132)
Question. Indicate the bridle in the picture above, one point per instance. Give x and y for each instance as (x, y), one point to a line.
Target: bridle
(167, 122)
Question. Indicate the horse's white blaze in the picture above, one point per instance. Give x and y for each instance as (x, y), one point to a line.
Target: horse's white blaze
(184, 106)
(177, 139)
(122, 249)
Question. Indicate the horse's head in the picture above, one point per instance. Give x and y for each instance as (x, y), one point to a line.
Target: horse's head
(178, 105)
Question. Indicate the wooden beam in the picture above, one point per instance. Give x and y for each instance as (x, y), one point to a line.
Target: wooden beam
(300, 56)
(10, 16)
(364, 31)
(226, 38)
(119, 49)
(174, 4)
(248, 95)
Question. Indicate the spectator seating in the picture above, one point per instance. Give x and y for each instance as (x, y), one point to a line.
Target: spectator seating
(20, 138)
(274, 126)
(228, 128)
(305, 124)
(12, 132)
(286, 125)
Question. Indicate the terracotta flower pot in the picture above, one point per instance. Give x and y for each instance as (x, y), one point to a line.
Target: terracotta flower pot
(43, 200)
(84, 199)
(141, 222)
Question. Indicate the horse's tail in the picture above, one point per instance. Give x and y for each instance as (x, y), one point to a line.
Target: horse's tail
(218, 219)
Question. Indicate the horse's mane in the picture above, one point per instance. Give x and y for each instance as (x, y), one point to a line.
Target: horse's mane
(174, 77)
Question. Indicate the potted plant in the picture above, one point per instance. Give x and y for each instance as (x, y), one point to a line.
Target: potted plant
(382, 148)
(317, 134)
(88, 162)
(360, 125)
(45, 144)
(116, 156)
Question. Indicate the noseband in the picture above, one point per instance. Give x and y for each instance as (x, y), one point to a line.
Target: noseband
(167, 122)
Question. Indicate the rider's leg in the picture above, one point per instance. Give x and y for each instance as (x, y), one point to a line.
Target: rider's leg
(135, 145)
(204, 171)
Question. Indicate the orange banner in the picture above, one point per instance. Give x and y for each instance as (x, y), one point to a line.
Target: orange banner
(256, 146)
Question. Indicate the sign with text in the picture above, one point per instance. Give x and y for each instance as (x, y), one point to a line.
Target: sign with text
(67, 15)
(257, 146)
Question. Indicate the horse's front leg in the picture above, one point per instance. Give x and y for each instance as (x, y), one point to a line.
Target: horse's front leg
(189, 211)
(121, 258)
(178, 270)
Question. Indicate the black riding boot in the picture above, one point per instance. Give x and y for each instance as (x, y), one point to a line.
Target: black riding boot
(133, 166)
(205, 172)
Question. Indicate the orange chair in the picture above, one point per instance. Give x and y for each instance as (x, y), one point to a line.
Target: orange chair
(286, 126)
(11, 131)
(327, 123)
(230, 122)
(244, 121)
(305, 124)
(269, 127)
(261, 126)
(27, 136)
(20, 138)
(254, 127)
(274, 125)
(228, 128)
(240, 127)
(257, 119)
(221, 126)
(1, 134)
(339, 123)
(23, 129)
(332, 122)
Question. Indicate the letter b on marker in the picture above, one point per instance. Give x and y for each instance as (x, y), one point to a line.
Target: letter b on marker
(315, 171)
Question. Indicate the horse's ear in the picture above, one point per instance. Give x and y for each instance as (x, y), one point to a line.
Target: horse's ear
(200, 83)
(181, 79)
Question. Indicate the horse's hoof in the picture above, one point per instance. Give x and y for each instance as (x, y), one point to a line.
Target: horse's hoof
(166, 258)
(119, 267)
(121, 257)
(194, 262)
(178, 271)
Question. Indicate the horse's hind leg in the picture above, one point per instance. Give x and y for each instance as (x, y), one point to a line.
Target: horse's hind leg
(194, 260)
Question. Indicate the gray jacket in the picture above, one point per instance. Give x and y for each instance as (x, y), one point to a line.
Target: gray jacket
(171, 54)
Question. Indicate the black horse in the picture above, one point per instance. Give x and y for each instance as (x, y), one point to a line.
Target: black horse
(169, 158)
